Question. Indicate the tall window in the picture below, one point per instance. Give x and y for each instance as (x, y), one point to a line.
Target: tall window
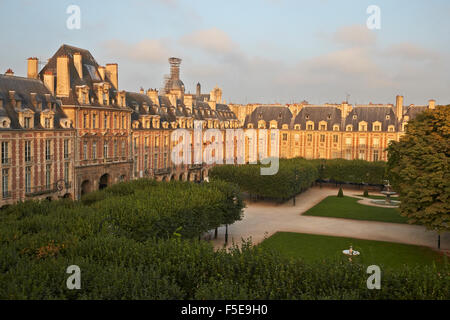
(155, 161)
(85, 146)
(48, 150)
(375, 155)
(27, 151)
(105, 121)
(285, 136)
(165, 160)
(27, 179)
(94, 150)
(5, 183)
(123, 122)
(335, 138)
(362, 155)
(5, 152)
(115, 122)
(309, 137)
(48, 173)
(123, 149)
(66, 172)
(322, 138)
(66, 148)
(85, 121)
(115, 148)
(94, 120)
(146, 162)
(105, 149)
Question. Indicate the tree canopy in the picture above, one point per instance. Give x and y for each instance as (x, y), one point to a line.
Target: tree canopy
(418, 167)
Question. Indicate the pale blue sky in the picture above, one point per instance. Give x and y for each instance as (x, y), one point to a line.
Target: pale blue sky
(256, 50)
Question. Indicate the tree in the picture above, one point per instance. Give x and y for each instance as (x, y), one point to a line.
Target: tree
(418, 167)
(340, 193)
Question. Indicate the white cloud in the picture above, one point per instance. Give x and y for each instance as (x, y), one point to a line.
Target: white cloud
(211, 40)
(354, 35)
(148, 50)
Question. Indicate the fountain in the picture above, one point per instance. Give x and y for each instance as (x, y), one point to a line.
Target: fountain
(388, 192)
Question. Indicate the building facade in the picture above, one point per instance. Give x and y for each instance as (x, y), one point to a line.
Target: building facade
(68, 129)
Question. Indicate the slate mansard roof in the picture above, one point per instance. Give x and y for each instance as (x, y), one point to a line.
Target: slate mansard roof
(384, 115)
(32, 95)
(91, 75)
(331, 115)
(269, 113)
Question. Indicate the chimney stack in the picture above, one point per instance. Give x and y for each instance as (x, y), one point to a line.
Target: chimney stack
(102, 71)
(153, 95)
(112, 72)
(432, 104)
(199, 89)
(78, 62)
(399, 108)
(49, 81)
(32, 68)
(62, 76)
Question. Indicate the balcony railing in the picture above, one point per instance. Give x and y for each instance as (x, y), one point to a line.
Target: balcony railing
(28, 159)
(162, 171)
(46, 189)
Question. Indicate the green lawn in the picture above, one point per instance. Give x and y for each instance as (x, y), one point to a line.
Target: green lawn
(312, 248)
(349, 208)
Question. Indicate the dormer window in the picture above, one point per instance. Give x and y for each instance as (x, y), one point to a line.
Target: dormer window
(27, 122)
(329, 117)
(307, 116)
(391, 128)
(349, 128)
(355, 117)
(47, 123)
(336, 127)
(388, 117)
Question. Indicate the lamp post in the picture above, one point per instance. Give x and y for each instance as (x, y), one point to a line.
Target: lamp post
(296, 177)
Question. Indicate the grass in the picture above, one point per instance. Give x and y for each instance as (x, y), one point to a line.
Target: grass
(313, 248)
(349, 208)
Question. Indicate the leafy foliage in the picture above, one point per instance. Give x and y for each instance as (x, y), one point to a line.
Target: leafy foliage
(297, 175)
(419, 168)
(138, 241)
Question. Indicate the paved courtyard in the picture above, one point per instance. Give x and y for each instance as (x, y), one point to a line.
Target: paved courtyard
(264, 219)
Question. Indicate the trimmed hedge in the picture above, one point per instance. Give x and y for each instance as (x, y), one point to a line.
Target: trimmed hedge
(297, 175)
(293, 177)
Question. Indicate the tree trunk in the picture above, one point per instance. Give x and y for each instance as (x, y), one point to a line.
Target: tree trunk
(226, 234)
(439, 241)
(215, 234)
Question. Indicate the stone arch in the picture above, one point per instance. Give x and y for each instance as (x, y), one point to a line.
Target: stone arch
(104, 181)
(85, 187)
(172, 177)
(182, 177)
